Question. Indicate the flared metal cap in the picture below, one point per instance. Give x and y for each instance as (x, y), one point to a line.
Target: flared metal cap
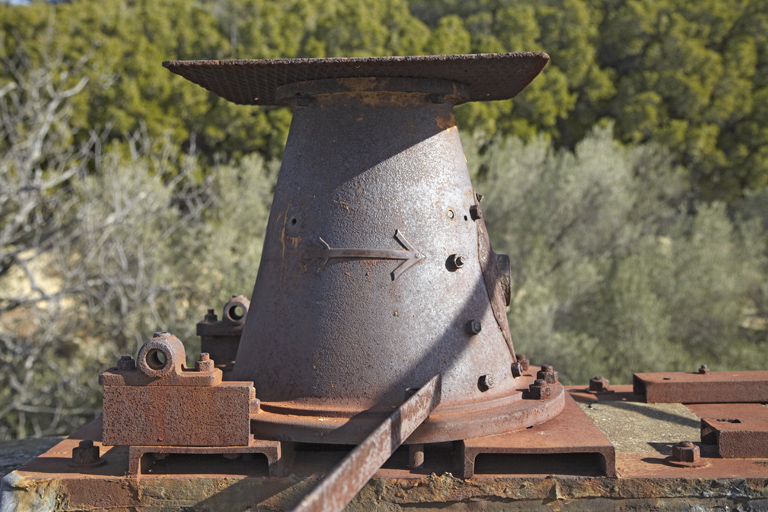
(488, 76)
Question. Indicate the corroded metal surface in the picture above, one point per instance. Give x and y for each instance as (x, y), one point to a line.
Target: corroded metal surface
(703, 386)
(571, 432)
(645, 480)
(376, 260)
(738, 430)
(160, 402)
(139, 461)
(220, 338)
(344, 481)
(489, 76)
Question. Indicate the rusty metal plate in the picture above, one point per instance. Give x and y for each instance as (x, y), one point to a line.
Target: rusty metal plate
(178, 415)
(711, 387)
(291, 422)
(571, 432)
(138, 462)
(489, 76)
(738, 430)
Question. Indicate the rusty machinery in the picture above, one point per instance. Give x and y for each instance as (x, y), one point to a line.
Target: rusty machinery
(378, 317)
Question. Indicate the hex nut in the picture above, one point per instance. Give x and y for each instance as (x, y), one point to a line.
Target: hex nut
(204, 363)
(703, 369)
(85, 453)
(686, 451)
(547, 373)
(455, 262)
(598, 384)
(126, 364)
(517, 369)
(474, 327)
(540, 389)
(484, 383)
(523, 361)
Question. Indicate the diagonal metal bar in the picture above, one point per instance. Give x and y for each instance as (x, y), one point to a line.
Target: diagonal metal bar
(344, 481)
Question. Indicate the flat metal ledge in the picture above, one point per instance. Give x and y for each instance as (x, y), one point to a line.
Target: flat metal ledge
(644, 481)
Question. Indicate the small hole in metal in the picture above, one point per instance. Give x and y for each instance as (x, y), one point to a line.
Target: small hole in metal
(466, 218)
(156, 359)
(293, 221)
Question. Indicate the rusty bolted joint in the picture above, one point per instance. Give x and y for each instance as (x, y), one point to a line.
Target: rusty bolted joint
(86, 454)
(517, 369)
(474, 327)
(204, 363)
(524, 363)
(455, 262)
(598, 385)
(126, 364)
(539, 390)
(547, 373)
(703, 369)
(686, 451)
(484, 383)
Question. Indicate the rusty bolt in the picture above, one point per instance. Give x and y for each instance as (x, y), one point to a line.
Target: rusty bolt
(484, 383)
(539, 389)
(474, 327)
(517, 369)
(85, 453)
(598, 384)
(455, 262)
(161, 335)
(211, 316)
(523, 361)
(703, 369)
(475, 212)
(686, 452)
(547, 373)
(126, 364)
(204, 363)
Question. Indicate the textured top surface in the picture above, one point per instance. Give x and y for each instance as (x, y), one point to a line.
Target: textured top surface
(489, 76)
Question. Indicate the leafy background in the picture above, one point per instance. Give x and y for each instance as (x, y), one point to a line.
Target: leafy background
(628, 182)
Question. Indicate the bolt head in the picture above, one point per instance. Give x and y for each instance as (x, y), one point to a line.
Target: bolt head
(205, 356)
(474, 327)
(598, 384)
(703, 369)
(484, 383)
(126, 364)
(523, 361)
(162, 335)
(85, 453)
(517, 369)
(540, 389)
(686, 451)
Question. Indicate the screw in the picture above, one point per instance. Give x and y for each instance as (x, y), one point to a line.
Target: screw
(455, 262)
(523, 361)
(686, 451)
(474, 327)
(703, 369)
(126, 364)
(204, 363)
(598, 384)
(85, 453)
(484, 383)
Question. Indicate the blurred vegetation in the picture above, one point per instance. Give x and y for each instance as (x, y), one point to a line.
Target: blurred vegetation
(628, 182)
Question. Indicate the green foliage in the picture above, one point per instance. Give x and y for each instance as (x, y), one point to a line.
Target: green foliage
(612, 273)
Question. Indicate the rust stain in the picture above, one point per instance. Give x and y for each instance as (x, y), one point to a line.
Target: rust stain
(446, 123)
(344, 204)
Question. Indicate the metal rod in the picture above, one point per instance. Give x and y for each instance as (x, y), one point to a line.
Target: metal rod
(344, 481)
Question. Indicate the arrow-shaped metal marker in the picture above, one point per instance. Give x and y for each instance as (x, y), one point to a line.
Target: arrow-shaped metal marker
(410, 254)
